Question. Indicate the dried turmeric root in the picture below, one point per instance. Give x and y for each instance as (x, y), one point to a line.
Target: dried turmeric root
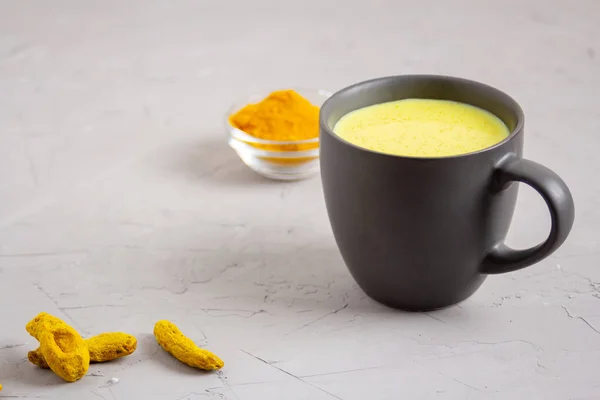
(62, 348)
(43, 322)
(36, 358)
(66, 353)
(103, 347)
(183, 348)
(110, 346)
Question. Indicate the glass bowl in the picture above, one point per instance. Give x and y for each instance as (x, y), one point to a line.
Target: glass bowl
(281, 160)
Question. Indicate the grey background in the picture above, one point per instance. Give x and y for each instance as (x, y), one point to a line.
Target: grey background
(120, 203)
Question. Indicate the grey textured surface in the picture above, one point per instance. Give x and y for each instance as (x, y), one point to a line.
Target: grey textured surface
(120, 203)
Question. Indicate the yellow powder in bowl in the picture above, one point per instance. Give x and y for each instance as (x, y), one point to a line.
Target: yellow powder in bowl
(283, 116)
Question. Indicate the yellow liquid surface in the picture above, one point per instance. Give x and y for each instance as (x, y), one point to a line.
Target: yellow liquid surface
(422, 128)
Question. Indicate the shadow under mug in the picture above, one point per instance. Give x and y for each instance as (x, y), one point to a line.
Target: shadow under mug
(423, 233)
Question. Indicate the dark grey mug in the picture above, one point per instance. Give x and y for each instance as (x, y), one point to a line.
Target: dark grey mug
(423, 233)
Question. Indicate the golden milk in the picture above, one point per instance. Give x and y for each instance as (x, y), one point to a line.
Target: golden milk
(422, 128)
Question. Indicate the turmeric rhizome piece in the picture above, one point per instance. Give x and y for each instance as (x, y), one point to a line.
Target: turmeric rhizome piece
(183, 348)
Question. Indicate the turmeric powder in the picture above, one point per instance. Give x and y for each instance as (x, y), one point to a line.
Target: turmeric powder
(283, 116)
(62, 348)
(103, 347)
(183, 348)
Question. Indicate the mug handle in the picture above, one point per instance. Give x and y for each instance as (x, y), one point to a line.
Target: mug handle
(559, 200)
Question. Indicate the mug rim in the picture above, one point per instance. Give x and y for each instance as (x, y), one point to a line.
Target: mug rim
(513, 103)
